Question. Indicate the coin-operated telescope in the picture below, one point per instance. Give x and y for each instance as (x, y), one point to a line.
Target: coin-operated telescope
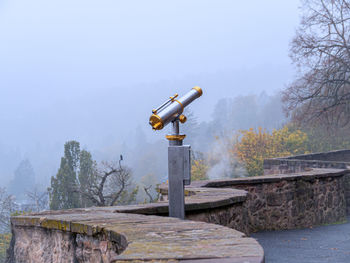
(179, 156)
(173, 109)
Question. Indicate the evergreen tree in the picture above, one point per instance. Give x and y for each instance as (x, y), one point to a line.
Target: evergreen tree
(78, 182)
(86, 177)
(62, 194)
(23, 181)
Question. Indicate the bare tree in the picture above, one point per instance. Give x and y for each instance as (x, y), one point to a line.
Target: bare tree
(7, 207)
(151, 197)
(39, 200)
(321, 52)
(109, 185)
(147, 191)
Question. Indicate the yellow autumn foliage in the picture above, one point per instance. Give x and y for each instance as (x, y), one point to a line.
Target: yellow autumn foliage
(199, 170)
(5, 240)
(255, 146)
(199, 167)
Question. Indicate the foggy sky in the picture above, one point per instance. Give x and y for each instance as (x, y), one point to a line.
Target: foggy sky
(93, 70)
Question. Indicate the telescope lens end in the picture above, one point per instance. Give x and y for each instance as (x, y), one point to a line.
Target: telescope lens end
(156, 122)
(200, 91)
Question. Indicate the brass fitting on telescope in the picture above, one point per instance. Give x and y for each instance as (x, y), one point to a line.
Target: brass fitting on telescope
(174, 97)
(156, 122)
(175, 137)
(200, 91)
(182, 118)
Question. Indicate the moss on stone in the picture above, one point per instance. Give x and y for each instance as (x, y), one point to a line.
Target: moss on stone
(55, 224)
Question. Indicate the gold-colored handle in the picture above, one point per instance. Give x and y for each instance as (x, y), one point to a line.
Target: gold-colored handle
(174, 97)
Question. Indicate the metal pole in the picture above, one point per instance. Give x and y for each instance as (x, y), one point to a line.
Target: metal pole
(176, 175)
(175, 131)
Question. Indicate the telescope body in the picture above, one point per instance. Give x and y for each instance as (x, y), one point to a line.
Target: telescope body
(172, 109)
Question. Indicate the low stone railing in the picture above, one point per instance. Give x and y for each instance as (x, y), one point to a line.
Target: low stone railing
(339, 159)
(278, 202)
(143, 232)
(275, 202)
(103, 235)
(332, 156)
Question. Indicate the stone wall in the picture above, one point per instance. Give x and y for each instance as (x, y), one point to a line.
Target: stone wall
(292, 201)
(332, 156)
(102, 235)
(38, 244)
(233, 216)
(347, 192)
(289, 166)
(222, 206)
(294, 164)
(270, 202)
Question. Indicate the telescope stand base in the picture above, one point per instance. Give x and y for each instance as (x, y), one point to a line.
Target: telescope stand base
(176, 182)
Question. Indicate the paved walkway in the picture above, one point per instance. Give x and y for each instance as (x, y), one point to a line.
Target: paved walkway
(313, 245)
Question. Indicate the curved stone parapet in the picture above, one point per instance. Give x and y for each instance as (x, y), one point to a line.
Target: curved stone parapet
(269, 202)
(101, 235)
(223, 206)
(288, 201)
(339, 159)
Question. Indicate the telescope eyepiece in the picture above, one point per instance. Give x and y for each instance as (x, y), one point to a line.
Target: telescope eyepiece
(200, 91)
